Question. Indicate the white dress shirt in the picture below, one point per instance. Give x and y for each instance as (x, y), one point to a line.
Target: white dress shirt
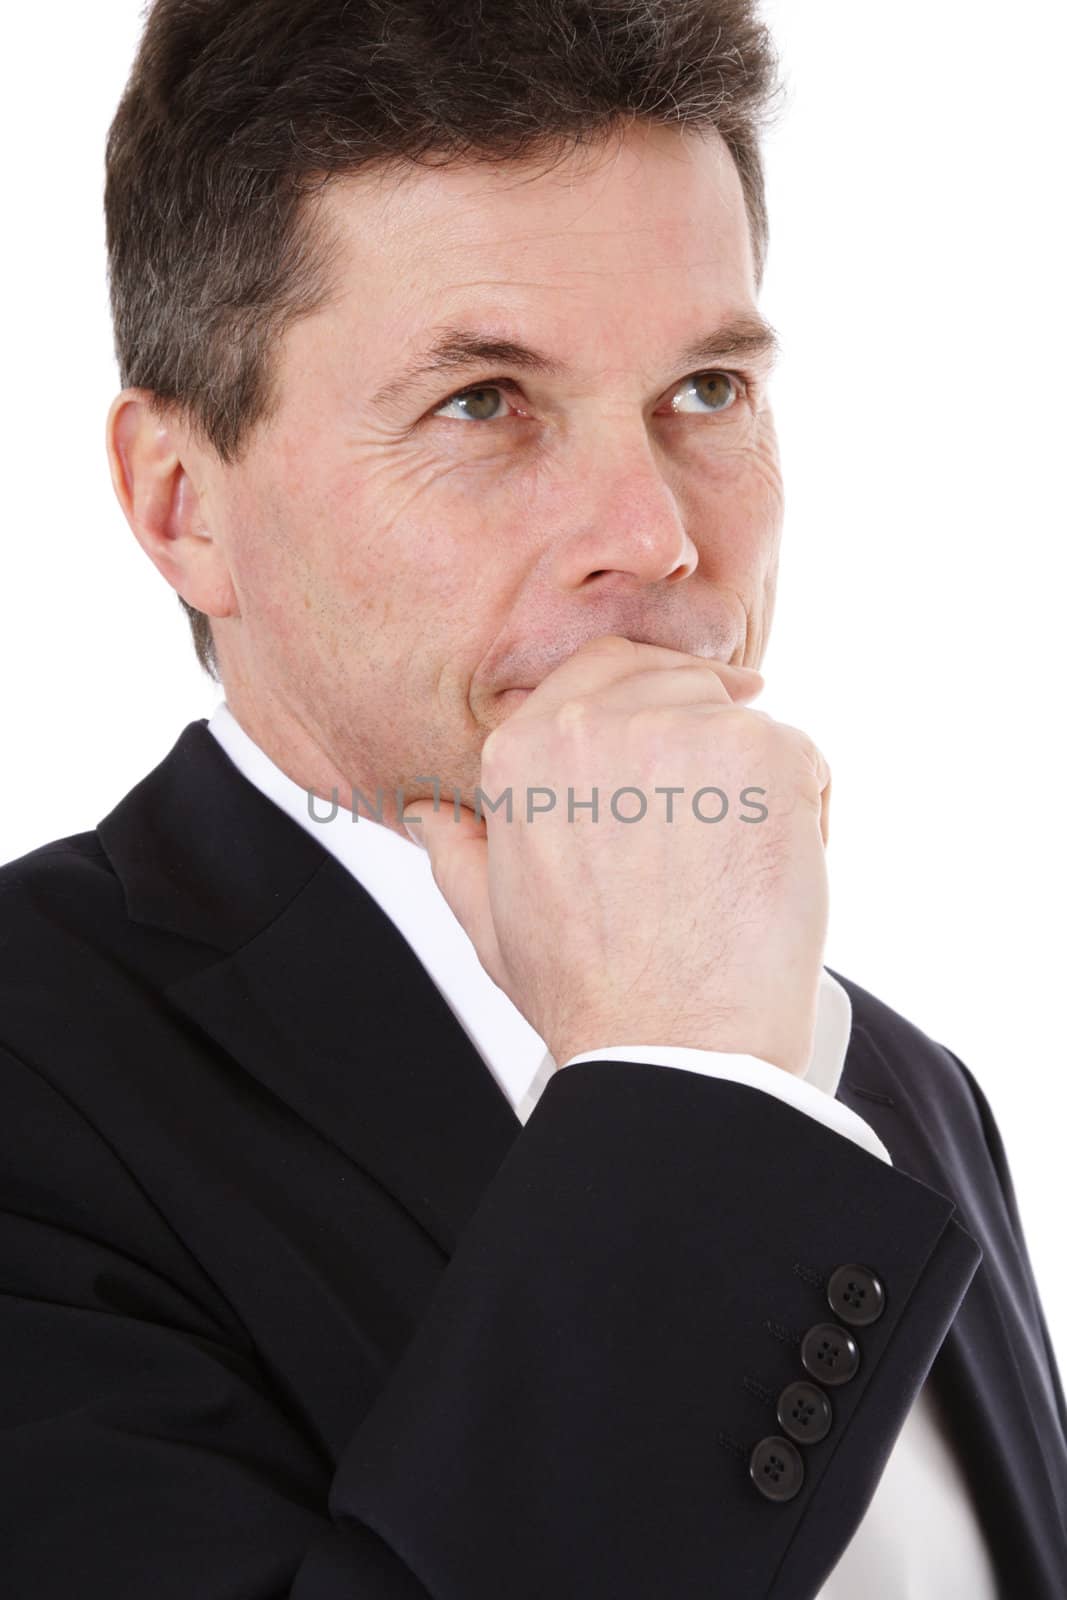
(919, 1538)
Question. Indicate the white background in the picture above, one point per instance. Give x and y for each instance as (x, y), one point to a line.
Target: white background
(916, 277)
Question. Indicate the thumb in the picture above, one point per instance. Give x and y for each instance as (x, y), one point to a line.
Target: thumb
(740, 683)
(459, 860)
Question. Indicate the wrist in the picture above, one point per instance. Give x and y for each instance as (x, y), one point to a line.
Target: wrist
(784, 1047)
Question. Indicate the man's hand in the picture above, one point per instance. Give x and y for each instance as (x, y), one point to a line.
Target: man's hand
(686, 932)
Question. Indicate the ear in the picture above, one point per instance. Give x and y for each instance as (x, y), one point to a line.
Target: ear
(154, 474)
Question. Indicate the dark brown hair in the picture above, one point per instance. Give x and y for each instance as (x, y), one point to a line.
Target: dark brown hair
(238, 111)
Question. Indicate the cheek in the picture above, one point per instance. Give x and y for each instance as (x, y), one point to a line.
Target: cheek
(447, 531)
(290, 544)
(733, 505)
(760, 499)
(259, 552)
(416, 567)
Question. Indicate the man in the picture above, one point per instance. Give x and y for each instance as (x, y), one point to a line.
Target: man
(531, 1214)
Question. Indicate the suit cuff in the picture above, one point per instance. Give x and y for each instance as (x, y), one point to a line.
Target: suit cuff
(757, 1074)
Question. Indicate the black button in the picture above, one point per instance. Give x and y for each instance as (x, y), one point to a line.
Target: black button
(830, 1353)
(856, 1295)
(804, 1412)
(776, 1469)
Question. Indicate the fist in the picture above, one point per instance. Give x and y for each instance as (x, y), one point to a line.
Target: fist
(659, 875)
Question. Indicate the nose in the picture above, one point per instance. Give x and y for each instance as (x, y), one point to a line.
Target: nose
(623, 525)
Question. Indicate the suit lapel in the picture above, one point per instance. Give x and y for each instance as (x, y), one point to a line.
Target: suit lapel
(308, 986)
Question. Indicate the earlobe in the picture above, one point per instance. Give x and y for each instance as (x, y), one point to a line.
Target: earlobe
(148, 458)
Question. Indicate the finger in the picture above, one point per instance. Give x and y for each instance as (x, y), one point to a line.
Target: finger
(611, 657)
(822, 770)
(820, 766)
(459, 859)
(690, 684)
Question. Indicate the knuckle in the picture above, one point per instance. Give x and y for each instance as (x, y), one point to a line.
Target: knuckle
(809, 772)
(572, 716)
(611, 644)
(790, 739)
(704, 674)
(494, 751)
(650, 719)
(655, 732)
(809, 752)
(741, 725)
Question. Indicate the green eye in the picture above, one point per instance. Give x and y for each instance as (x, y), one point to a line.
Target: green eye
(715, 391)
(478, 403)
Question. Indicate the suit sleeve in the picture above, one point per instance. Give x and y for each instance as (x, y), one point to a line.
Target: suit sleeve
(574, 1415)
(759, 1074)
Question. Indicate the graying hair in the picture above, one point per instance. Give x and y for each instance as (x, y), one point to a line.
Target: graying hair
(237, 113)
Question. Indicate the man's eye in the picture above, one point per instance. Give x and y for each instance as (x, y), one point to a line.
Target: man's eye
(712, 392)
(481, 404)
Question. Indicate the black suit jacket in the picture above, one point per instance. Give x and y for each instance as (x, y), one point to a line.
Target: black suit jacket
(293, 1305)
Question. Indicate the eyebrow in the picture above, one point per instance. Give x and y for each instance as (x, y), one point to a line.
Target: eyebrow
(455, 349)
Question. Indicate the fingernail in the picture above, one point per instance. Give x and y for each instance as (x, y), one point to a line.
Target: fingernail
(413, 829)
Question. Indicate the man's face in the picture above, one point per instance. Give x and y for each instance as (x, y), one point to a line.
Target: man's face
(402, 568)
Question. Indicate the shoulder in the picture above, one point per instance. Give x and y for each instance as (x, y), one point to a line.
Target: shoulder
(57, 875)
(54, 860)
(65, 885)
(927, 1105)
(62, 924)
(886, 1042)
(76, 972)
(877, 1018)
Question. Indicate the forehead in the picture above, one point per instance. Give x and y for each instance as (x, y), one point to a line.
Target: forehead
(639, 213)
